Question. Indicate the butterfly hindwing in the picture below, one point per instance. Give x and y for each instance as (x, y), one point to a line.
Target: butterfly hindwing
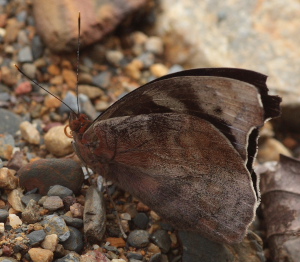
(179, 165)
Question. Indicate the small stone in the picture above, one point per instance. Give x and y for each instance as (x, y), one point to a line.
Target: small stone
(70, 78)
(69, 201)
(77, 210)
(25, 55)
(154, 216)
(153, 248)
(57, 143)
(30, 133)
(147, 59)
(8, 180)
(162, 239)
(94, 256)
(52, 102)
(14, 199)
(125, 225)
(53, 203)
(53, 70)
(61, 191)
(3, 215)
(37, 47)
(10, 123)
(7, 144)
(102, 79)
(154, 45)
(101, 105)
(54, 224)
(26, 199)
(133, 69)
(116, 241)
(73, 222)
(114, 57)
(141, 220)
(2, 229)
(17, 161)
(31, 213)
(270, 149)
(71, 100)
(118, 260)
(159, 70)
(65, 172)
(71, 257)
(40, 255)
(36, 237)
(8, 259)
(138, 238)
(12, 30)
(91, 92)
(29, 69)
(50, 242)
(94, 215)
(74, 242)
(136, 256)
(14, 221)
(125, 216)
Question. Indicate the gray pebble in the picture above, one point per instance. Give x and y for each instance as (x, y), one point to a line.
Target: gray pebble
(159, 258)
(10, 122)
(175, 69)
(37, 47)
(4, 96)
(138, 238)
(102, 79)
(25, 199)
(73, 221)
(147, 59)
(21, 16)
(3, 215)
(71, 100)
(141, 220)
(74, 242)
(162, 239)
(7, 142)
(154, 44)
(53, 203)
(36, 237)
(54, 224)
(71, 257)
(87, 107)
(25, 55)
(23, 38)
(136, 256)
(60, 191)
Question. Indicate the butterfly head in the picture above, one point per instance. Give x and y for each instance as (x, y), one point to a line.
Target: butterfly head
(79, 123)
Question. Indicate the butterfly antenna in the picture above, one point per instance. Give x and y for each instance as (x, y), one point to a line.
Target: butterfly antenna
(77, 70)
(33, 81)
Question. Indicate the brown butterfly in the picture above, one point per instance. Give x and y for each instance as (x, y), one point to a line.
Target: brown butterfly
(184, 144)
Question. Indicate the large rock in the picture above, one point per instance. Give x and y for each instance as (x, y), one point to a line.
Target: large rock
(98, 19)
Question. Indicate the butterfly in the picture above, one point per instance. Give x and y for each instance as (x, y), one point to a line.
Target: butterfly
(184, 144)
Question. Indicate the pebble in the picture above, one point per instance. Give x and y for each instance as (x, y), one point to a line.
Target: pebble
(116, 241)
(36, 237)
(71, 257)
(154, 44)
(94, 256)
(30, 133)
(54, 224)
(91, 92)
(50, 242)
(60, 191)
(29, 69)
(57, 143)
(147, 59)
(74, 242)
(114, 57)
(71, 100)
(141, 220)
(65, 172)
(158, 258)
(37, 47)
(26, 199)
(125, 216)
(136, 256)
(74, 222)
(133, 69)
(8, 180)
(8, 259)
(102, 79)
(12, 30)
(87, 107)
(14, 221)
(22, 38)
(25, 55)
(40, 255)
(17, 161)
(31, 214)
(10, 122)
(53, 70)
(162, 239)
(7, 144)
(3, 215)
(94, 216)
(53, 203)
(70, 78)
(158, 70)
(138, 238)
(14, 199)
(77, 210)
(270, 150)
(175, 68)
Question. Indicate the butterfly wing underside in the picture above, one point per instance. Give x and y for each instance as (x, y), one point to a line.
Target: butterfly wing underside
(176, 164)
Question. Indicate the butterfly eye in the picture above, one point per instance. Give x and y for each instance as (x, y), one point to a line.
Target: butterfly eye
(68, 134)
